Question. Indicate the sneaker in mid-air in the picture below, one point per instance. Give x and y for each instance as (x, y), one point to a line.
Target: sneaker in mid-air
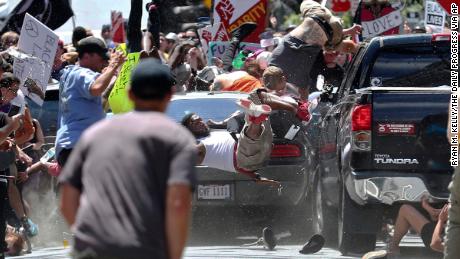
(255, 113)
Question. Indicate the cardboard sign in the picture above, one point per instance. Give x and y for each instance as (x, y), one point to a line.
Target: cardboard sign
(233, 13)
(434, 16)
(118, 99)
(38, 41)
(380, 25)
(217, 49)
(212, 33)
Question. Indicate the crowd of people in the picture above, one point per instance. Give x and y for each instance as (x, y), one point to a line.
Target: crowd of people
(118, 215)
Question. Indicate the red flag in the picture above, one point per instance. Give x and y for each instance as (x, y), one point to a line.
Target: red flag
(448, 4)
(340, 5)
(118, 27)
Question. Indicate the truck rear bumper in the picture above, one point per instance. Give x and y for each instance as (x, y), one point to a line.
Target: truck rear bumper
(389, 189)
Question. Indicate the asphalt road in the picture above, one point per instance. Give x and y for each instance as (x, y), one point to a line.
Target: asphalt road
(220, 234)
(412, 248)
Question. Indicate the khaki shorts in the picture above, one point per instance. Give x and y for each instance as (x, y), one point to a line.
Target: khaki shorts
(252, 154)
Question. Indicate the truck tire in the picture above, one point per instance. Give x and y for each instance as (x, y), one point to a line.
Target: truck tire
(349, 240)
(324, 217)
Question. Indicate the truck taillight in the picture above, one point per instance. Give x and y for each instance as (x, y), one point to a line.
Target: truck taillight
(440, 37)
(361, 125)
(361, 117)
(286, 150)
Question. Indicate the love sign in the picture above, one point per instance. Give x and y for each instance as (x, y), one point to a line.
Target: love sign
(381, 24)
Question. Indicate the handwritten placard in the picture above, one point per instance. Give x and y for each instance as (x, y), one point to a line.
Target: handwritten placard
(217, 48)
(41, 42)
(118, 99)
(382, 24)
(435, 16)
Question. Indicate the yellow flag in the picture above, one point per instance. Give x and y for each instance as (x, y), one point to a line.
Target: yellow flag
(207, 3)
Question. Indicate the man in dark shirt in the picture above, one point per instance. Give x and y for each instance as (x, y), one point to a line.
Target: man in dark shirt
(126, 188)
(7, 126)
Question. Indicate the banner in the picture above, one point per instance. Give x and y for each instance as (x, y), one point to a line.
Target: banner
(52, 13)
(378, 20)
(38, 41)
(217, 49)
(233, 13)
(118, 99)
(434, 16)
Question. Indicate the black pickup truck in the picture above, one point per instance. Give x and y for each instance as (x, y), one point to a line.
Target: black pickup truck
(382, 138)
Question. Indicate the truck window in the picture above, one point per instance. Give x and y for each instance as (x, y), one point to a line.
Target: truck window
(412, 66)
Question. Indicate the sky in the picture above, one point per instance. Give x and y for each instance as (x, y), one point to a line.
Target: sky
(91, 14)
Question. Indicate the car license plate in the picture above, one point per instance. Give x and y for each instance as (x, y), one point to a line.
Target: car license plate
(214, 192)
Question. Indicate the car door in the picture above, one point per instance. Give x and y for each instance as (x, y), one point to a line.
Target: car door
(330, 129)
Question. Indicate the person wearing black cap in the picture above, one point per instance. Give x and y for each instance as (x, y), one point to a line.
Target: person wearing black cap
(136, 174)
(80, 90)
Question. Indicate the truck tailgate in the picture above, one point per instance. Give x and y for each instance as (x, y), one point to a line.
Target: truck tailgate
(409, 130)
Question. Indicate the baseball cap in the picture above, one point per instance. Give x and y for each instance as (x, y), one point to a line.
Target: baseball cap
(266, 39)
(93, 45)
(151, 79)
(331, 25)
(172, 36)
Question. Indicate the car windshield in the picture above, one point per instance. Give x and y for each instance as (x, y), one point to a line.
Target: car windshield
(427, 66)
(217, 109)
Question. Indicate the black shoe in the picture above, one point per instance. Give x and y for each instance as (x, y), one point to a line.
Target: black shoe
(315, 244)
(269, 238)
(243, 31)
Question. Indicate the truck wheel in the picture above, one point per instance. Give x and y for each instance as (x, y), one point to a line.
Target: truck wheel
(348, 240)
(324, 217)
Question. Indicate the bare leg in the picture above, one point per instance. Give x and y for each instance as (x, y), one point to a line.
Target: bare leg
(408, 217)
(15, 200)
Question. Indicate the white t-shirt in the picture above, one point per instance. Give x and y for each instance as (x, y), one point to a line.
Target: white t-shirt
(219, 151)
(19, 101)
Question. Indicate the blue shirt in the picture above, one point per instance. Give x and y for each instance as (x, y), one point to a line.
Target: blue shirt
(78, 109)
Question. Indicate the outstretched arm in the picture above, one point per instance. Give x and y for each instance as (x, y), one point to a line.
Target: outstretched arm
(276, 103)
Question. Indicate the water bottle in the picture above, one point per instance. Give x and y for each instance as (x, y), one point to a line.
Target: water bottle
(48, 155)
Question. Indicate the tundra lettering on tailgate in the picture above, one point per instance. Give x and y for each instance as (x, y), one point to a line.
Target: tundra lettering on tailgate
(386, 159)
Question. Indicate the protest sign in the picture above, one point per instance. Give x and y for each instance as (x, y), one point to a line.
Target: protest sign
(217, 49)
(434, 16)
(212, 33)
(118, 99)
(385, 25)
(233, 13)
(38, 41)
